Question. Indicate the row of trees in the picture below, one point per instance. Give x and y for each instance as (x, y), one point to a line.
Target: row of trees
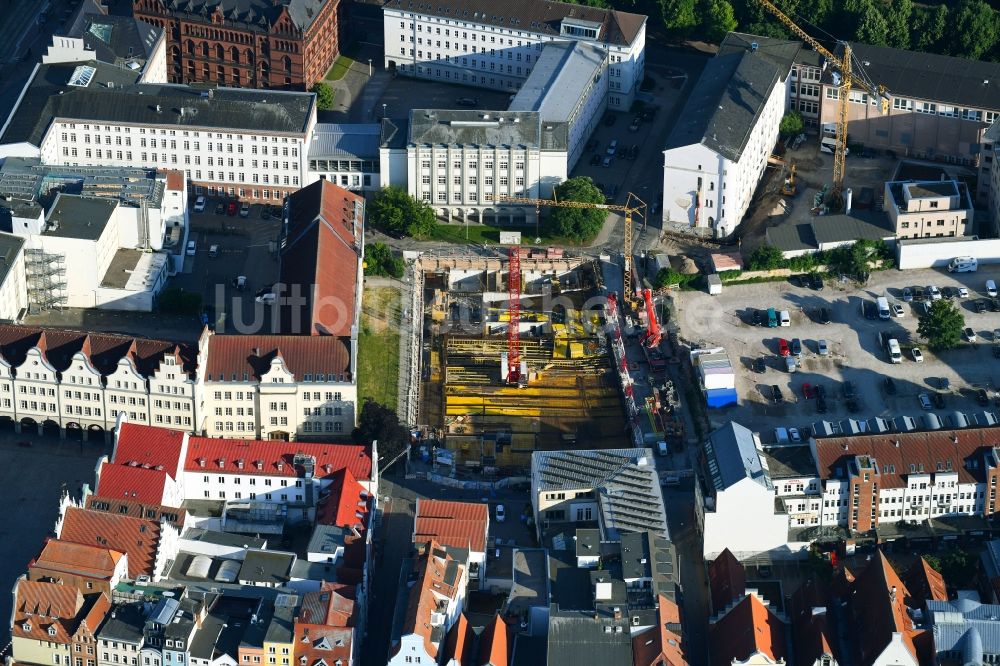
(963, 28)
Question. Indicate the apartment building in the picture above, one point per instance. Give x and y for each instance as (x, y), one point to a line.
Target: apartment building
(70, 380)
(86, 567)
(119, 640)
(250, 144)
(463, 162)
(941, 106)
(13, 283)
(346, 155)
(255, 44)
(55, 624)
(716, 154)
(473, 42)
(989, 175)
(275, 386)
(932, 209)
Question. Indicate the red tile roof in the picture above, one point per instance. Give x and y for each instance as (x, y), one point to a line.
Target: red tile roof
(494, 643)
(77, 559)
(726, 579)
(332, 605)
(230, 356)
(341, 502)
(149, 446)
(458, 644)
(316, 643)
(175, 179)
(878, 610)
(924, 584)
(121, 506)
(748, 628)
(39, 606)
(927, 452)
(103, 350)
(274, 457)
(430, 583)
(814, 633)
(660, 645)
(454, 524)
(136, 538)
(135, 483)
(319, 260)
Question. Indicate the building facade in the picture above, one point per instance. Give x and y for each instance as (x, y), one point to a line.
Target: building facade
(471, 43)
(929, 209)
(258, 44)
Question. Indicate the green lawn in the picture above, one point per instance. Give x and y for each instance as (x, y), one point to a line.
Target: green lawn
(480, 234)
(378, 346)
(340, 67)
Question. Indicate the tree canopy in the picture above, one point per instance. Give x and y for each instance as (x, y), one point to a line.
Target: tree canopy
(580, 224)
(324, 96)
(379, 260)
(791, 123)
(941, 326)
(378, 422)
(396, 213)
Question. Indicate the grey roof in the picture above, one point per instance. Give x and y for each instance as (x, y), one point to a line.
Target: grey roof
(10, 246)
(936, 78)
(223, 538)
(394, 132)
(269, 567)
(255, 15)
(27, 180)
(992, 133)
(530, 580)
(965, 626)
(124, 623)
(330, 140)
(785, 462)
(326, 539)
(559, 78)
(282, 625)
(625, 481)
(725, 103)
(73, 216)
(467, 127)
(783, 53)
(118, 40)
(120, 269)
(205, 638)
(577, 638)
(732, 455)
(829, 229)
(49, 95)
(536, 16)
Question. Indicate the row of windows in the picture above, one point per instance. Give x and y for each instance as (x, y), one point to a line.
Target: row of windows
(176, 420)
(196, 134)
(472, 165)
(239, 495)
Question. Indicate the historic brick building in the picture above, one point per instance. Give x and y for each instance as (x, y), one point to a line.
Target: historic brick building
(246, 43)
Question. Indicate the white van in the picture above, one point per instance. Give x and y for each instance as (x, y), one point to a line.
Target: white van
(963, 265)
(895, 355)
(883, 307)
(785, 318)
(830, 130)
(828, 144)
(781, 435)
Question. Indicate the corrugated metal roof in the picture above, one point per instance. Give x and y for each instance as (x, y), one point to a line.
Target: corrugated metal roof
(339, 141)
(733, 456)
(562, 73)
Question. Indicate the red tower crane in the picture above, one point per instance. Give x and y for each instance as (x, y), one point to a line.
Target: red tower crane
(514, 324)
(651, 338)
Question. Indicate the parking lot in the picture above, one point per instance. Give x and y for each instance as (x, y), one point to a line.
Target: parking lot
(855, 353)
(245, 247)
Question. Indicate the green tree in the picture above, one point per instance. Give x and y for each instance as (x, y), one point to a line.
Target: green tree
(791, 124)
(765, 258)
(872, 26)
(679, 16)
(396, 213)
(975, 29)
(324, 96)
(941, 326)
(719, 19)
(929, 24)
(580, 224)
(376, 422)
(379, 260)
(898, 16)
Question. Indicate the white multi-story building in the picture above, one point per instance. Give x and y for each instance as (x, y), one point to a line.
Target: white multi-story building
(989, 174)
(13, 284)
(477, 43)
(717, 152)
(346, 155)
(244, 143)
(122, 41)
(275, 386)
(462, 162)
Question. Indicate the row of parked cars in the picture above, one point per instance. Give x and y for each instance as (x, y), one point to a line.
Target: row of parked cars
(222, 208)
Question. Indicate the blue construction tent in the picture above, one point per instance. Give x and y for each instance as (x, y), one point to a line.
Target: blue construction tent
(717, 398)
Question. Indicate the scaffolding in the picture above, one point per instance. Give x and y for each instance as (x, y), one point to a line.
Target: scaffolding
(46, 277)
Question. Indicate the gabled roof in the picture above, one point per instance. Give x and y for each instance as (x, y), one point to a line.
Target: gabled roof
(135, 483)
(120, 506)
(494, 643)
(660, 645)
(924, 584)
(231, 357)
(878, 610)
(814, 632)
(332, 605)
(118, 40)
(274, 457)
(77, 559)
(783, 53)
(458, 647)
(342, 501)
(319, 259)
(136, 538)
(726, 579)
(436, 575)
(256, 15)
(453, 524)
(159, 448)
(45, 611)
(732, 454)
(748, 628)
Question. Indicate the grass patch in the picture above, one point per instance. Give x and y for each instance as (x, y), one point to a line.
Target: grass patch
(378, 346)
(339, 69)
(484, 234)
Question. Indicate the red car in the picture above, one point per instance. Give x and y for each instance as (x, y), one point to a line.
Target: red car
(808, 391)
(231, 210)
(783, 347)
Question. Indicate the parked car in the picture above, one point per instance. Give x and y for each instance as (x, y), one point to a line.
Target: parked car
(983, 397)
(969, 334)
(759, 365)
(501, 513)
(824, 315)
(634, 127)
(897, 310)
(820, 399)
(786, 319)
(607, 161)
(759, 317)
(231, 209)
(267, 298)
(938, 399)
(807, 391)
(199, 204)
(794, 435)
(907, 295)
(918, 294)
(796, 347)
(191, 248)
(963, 292)
(995, 305)
(991, 288)
(925, 401)
(776, 396)
(822, 347)
(783, 349)
(849, 390)
(934, 293)
(213, 251)
(917, 355)
(220, 208)
(816, 282)
(633, 151)
(981, 305)
(790, 364)
(612, 147)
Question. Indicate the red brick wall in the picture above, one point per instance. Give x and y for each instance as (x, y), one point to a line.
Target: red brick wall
(864, 492)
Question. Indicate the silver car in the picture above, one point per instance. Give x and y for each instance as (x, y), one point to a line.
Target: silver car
(822, 347)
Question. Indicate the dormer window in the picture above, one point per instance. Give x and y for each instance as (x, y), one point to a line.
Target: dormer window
(52, 631)
(26, 626)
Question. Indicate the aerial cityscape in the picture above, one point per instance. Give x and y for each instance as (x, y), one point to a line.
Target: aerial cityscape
(453, 332)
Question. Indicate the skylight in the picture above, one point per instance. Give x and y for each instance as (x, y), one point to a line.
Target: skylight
(82, 76)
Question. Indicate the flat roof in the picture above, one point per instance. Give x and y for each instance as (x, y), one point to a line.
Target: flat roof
(464, 127)
(336, 141)
(560, 77)
(26, 179)
(261, 566)
(10, 246)
(223, 538)
(530, 579)
(787, 462)
(80, 217)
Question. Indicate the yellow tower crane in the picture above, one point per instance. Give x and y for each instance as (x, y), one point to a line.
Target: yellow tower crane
(849, 79)
(633, 206)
